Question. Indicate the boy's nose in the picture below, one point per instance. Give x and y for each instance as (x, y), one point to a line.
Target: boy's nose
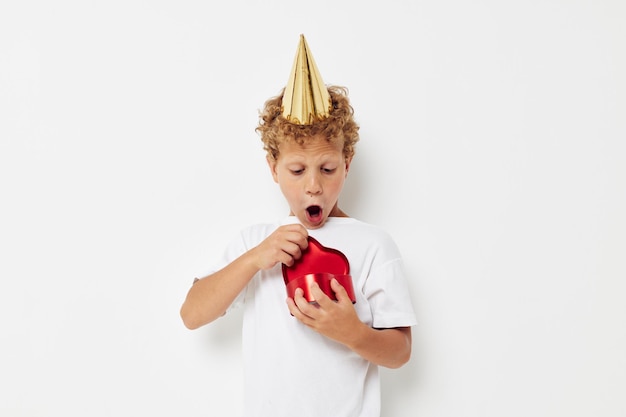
(313, 185)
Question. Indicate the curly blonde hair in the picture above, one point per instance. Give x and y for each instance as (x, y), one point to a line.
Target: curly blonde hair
(339, 126)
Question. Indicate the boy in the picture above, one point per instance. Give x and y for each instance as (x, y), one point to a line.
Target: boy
(301, 358)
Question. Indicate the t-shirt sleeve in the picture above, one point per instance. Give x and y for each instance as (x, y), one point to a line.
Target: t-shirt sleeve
(233, 250)
(389, 297)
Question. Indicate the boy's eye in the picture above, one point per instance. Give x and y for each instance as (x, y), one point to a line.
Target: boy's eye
(328, 170)
(297, 171)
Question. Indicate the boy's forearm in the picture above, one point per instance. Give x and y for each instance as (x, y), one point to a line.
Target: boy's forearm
(210, 297)
(390, 348)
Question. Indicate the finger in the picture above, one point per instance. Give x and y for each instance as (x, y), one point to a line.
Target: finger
(320, 297)
(300, 239)
(295, 227)
(293, 302)
(300, 229)
(340, 292)
(293, 309)
(308, 309)
(291, 252)
(296, 233)
(301, 236)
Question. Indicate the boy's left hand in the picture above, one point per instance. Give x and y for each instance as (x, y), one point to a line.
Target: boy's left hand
(334, 319)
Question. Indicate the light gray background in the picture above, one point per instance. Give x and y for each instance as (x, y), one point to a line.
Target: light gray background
(493, 150)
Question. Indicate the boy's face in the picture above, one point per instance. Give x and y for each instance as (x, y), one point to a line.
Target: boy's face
(311, 177)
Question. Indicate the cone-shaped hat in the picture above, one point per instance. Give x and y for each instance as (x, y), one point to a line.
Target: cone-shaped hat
(306, 98)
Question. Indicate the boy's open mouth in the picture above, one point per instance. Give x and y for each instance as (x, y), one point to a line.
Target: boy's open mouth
(314, 213)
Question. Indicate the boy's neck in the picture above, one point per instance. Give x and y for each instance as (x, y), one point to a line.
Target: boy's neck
(337, 212)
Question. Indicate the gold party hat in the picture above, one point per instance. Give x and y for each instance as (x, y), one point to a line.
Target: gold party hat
(306, 98)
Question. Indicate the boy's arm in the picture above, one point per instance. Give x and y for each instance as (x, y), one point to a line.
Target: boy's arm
(209, 297)
(390, 348)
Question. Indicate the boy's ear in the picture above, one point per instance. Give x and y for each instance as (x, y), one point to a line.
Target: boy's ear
(348, 161)
(272, 164)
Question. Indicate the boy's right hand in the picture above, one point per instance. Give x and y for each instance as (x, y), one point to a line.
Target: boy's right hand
(284, 245)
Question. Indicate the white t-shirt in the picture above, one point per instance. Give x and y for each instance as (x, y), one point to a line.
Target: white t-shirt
(291, 370)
